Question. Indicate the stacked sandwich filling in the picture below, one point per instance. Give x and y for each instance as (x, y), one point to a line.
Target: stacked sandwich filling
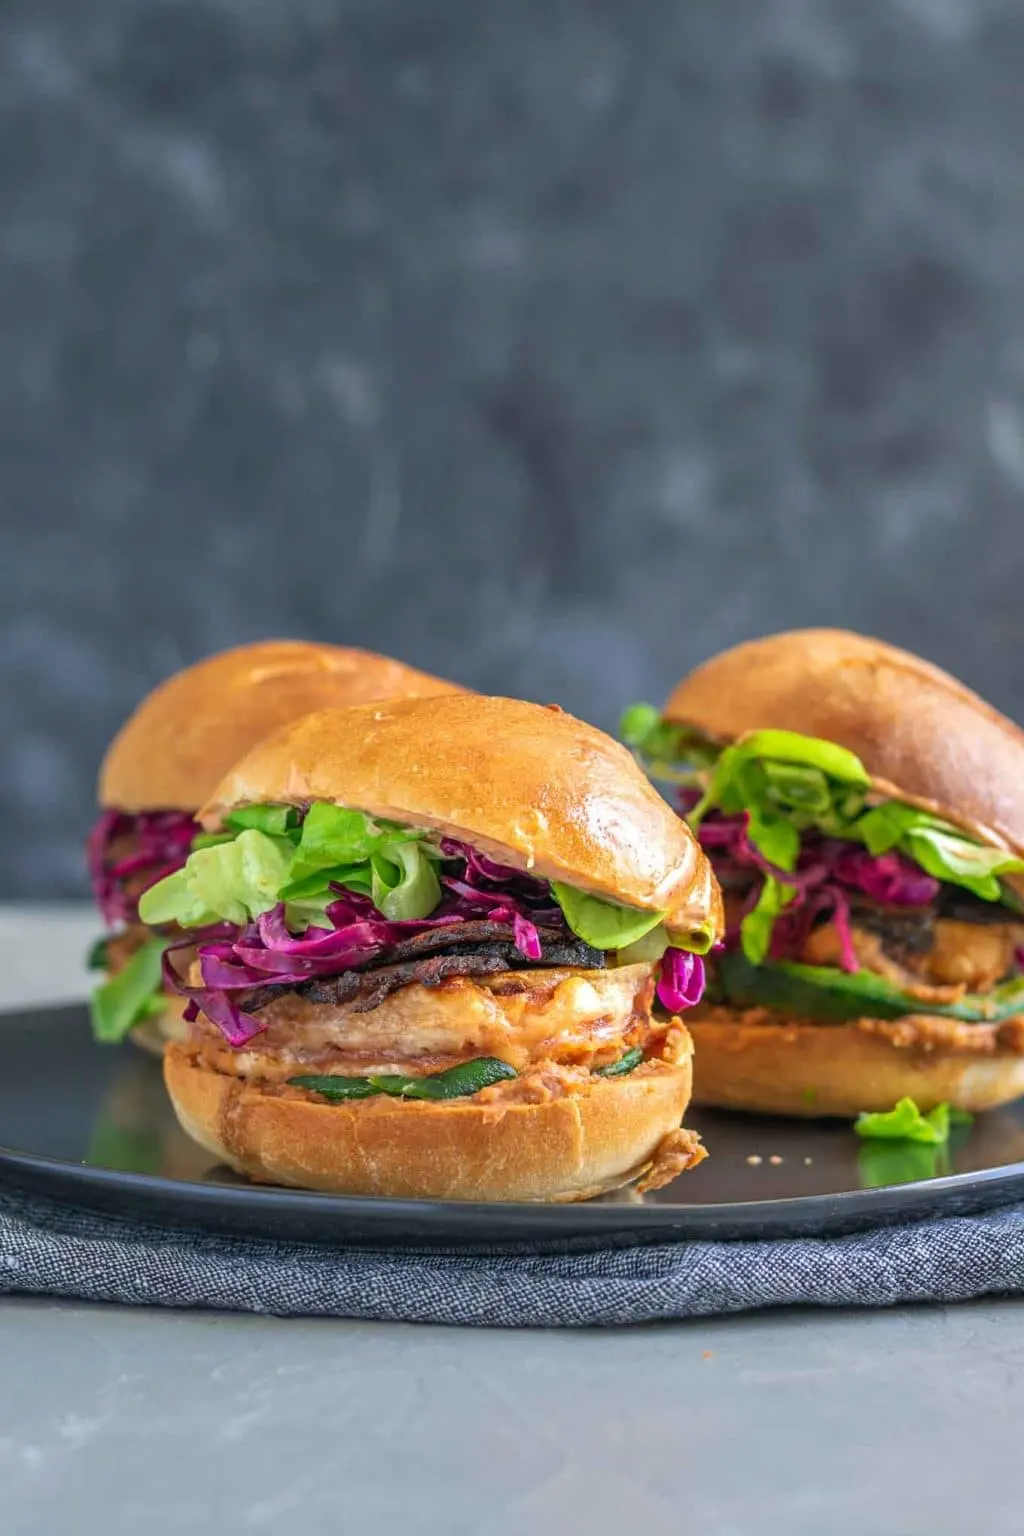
(357, 958)
(129, 853)
(842, 902)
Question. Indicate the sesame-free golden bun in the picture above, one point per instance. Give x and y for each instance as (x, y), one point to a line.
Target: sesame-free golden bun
(787, 1066)
(185, 735)
(925, 739)
(527, 784)
(922, 736)
(608, 1132)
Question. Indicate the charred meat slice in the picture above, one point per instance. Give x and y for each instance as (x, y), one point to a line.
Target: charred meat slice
(557, 946)
(458, 949)
(368, 989)
(904, 931)
(964, 907)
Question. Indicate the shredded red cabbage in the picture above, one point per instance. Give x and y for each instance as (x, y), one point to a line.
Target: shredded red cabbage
(267, 953)
(887, 878)
(234, 1024)
(681, 982)
(155, 844)
(827, 870)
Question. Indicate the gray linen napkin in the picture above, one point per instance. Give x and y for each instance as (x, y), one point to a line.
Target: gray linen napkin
(58, 1251)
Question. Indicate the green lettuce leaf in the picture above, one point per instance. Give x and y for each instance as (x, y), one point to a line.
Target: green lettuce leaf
(130, 996)
(807, 752)
(404, 882)
(333, 836)
(821, 992)
(274, 820)
(756, 927)
(884, 826)
(231, 882)
(638, 725)
(270, 860)
(210, 839)
(651, 946)
(777, 839)
(788, 783)
(950, 857)
(811, 782)
(602, 924)
(667, 749)
(938, 847)
(905, 1122)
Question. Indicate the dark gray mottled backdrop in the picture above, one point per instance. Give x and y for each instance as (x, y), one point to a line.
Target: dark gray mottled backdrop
(549, 345)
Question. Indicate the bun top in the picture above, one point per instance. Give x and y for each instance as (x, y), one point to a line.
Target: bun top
(921, 735)
(526, 784)
(186, 734)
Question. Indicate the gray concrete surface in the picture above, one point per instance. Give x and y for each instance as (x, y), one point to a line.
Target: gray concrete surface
(114, 1421)
(903, 1424)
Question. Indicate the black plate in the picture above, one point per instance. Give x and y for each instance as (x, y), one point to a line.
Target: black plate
(92, 1126)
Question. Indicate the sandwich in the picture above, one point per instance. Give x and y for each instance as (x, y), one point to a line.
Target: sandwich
(864, 813)
(161, 767)
(441, 925)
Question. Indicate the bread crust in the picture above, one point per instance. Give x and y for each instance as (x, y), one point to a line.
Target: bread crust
(185, 735)
(922, 736)
(609, 1133)
(792, 1067)
(530, 785)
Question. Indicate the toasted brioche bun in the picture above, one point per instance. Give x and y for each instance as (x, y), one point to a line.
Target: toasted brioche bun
(186, 734)
(797, 1068)
(527, 784)
(569, 1148)
(922, 736)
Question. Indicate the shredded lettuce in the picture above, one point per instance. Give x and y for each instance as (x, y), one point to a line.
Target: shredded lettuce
(271, 860)
(784, 784)
(781, 773)
(129, 997)
(231, 882)
(333, 836)
(667, 750)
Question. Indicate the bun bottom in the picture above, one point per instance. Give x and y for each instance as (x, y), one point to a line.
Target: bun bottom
(155, 1034)
(611, 1132)
(811, 1070)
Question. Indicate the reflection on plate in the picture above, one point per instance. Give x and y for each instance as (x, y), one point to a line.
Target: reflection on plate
(102, 1133)
(134, 1130)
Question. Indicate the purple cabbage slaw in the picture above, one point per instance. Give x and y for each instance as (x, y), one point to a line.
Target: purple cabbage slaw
(160, 844)
(265, 953)
(827, 870)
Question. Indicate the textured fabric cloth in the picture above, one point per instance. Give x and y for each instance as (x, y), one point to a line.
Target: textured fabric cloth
(53, 1250)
